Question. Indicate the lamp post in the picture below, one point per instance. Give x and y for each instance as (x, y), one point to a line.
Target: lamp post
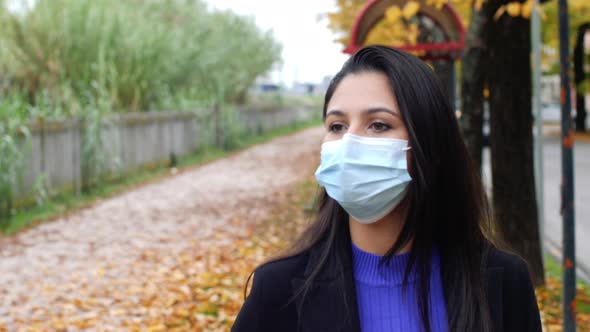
(567, 184)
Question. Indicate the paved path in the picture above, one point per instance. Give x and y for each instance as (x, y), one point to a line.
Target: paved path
(553, 219)
(90, 264)
(552, 199)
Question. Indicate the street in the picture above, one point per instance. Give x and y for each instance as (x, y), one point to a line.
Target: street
(552, 199)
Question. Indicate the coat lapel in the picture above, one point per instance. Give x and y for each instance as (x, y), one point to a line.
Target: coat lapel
(494, 295)
(331, 304)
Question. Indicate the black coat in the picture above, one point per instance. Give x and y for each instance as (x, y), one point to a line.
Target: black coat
(510, 293)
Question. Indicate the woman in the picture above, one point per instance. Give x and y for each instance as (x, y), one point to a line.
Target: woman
(401, 238)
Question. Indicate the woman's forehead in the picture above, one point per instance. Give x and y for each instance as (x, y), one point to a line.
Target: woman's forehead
(362, 92)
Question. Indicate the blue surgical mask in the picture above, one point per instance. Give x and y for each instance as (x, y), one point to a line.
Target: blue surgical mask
(367, 176)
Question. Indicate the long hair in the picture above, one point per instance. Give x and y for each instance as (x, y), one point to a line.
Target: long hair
(446, 206)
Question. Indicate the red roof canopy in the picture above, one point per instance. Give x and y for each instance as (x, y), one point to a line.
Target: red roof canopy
(445, 18)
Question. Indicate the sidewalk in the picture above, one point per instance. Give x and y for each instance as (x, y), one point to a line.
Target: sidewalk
(552, 197)
(552, 184)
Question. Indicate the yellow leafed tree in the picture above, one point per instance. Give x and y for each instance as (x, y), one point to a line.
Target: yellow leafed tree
(342, 20)
(398, 27)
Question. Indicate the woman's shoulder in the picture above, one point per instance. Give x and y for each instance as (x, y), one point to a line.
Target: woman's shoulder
(283, 269)
(267, 307)
(511, 293)
(514, 269)
(508, 261)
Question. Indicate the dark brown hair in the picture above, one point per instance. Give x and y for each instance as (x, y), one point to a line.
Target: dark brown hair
(446, 205)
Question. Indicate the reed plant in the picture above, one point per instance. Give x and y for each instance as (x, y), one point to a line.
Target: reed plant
(145, 53)
(14, 142)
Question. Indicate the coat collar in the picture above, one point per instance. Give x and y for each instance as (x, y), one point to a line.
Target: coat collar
(331, 303)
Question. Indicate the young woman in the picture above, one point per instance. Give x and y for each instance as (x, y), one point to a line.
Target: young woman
(401, 238)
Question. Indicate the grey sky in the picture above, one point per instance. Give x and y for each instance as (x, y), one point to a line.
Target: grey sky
(309, 52)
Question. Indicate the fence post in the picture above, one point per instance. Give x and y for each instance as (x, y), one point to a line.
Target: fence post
(218, 119)
(77, 153)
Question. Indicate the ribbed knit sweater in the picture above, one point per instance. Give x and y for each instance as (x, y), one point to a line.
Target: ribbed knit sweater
(384, 306)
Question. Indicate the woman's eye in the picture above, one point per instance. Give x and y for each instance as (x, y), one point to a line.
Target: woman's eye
(380, 126)
(336, 127)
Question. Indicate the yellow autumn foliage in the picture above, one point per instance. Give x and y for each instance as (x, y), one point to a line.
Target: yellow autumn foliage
(411, 9)
(437, 3)
(477, 4)
(519, 9)
(527, 8)
(395, 28)
(342, 20)
(513, 9)
(393, 14)
(392, 32)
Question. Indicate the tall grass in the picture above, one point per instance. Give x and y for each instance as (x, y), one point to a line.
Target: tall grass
(144, 53)
(12, 153)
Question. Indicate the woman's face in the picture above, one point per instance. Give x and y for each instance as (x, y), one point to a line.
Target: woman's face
(363, 104)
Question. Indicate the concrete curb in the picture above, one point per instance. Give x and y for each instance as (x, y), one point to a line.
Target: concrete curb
(582, 271)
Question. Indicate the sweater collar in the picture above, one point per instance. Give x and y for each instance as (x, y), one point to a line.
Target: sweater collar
(368, 270)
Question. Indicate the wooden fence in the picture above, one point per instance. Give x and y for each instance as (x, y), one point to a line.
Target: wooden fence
(134, 140)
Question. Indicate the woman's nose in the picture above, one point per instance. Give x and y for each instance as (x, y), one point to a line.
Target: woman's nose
(355, 130)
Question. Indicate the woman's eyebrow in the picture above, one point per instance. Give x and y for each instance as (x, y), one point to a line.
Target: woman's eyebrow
(371, 110)
(381, 109)
(335, 112)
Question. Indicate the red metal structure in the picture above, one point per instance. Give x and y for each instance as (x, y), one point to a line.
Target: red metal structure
(445, 20)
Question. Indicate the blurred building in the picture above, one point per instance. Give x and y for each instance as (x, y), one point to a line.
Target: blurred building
(309, 88)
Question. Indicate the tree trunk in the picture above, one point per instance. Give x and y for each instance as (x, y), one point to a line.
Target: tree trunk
(445, 70)
(580, 112)
(509, 79)
(472, 84)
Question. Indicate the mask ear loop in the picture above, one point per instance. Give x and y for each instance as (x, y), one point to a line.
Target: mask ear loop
(406, 148)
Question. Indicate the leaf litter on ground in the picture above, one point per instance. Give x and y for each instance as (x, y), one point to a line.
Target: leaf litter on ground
(204, 290)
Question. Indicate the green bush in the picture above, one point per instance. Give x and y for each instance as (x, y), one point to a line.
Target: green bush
(12, 153)
(144, 53)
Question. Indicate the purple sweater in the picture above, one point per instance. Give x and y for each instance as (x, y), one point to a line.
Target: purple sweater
(382, 304)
